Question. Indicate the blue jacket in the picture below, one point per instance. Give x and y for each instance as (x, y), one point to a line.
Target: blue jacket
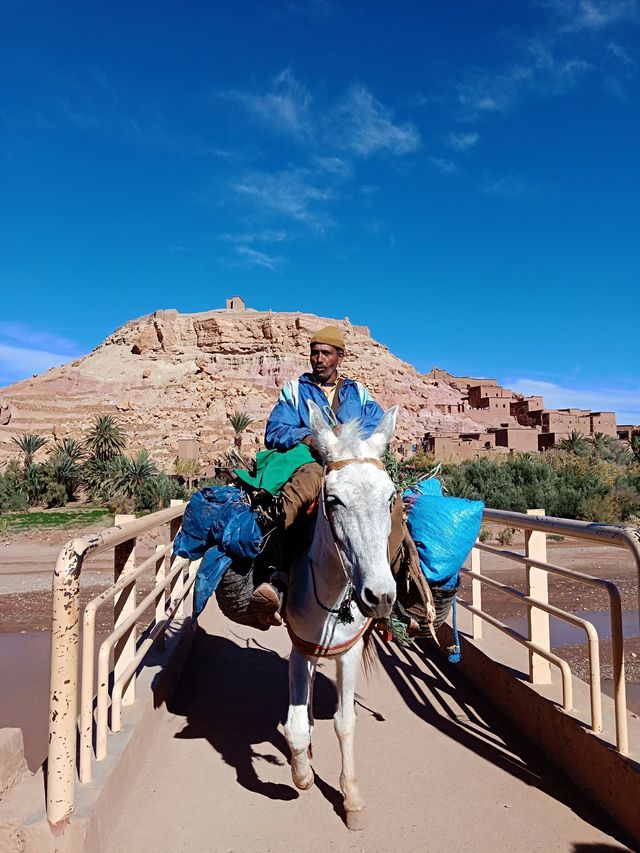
(288, 423)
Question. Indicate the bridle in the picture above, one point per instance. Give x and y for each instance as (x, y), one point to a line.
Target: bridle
(343, 612)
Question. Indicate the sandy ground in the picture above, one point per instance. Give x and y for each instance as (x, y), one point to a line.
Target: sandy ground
(27, 561)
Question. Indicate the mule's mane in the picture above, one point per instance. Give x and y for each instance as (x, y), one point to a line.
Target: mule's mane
(350, 442)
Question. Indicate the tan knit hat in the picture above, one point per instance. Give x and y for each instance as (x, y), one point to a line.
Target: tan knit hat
(329, 335)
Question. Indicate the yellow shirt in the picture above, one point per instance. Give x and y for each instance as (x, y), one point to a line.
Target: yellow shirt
(330, 392)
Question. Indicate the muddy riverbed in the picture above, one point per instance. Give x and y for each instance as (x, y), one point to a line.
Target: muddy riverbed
(27, 561)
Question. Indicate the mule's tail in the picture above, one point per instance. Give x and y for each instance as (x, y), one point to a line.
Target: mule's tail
(370, 656)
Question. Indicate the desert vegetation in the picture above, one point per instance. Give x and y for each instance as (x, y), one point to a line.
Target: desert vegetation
(595, 478)
(591, 478)
(95, 468)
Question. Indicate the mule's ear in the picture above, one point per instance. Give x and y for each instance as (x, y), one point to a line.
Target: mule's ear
(383, 433)
(323, 436)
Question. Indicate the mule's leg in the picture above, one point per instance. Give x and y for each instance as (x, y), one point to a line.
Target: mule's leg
(312, 681)
(348, 667)
(297, 730)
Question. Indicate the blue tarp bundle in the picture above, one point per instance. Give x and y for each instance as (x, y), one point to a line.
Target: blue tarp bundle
(444, 530)
(219, 527)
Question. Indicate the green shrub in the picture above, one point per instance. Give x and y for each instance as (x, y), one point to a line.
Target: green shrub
(54, 495)
(12, 498)
(158, 492)
(484, 535)
(505, 537)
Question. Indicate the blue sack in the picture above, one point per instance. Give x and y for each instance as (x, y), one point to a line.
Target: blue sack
(444, 530)
(219, 526)
(214, 564)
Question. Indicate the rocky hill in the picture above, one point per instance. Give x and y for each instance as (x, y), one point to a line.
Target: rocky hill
(170, 376)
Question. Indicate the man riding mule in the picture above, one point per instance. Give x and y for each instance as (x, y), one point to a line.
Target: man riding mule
(339, 585)
(339, 399)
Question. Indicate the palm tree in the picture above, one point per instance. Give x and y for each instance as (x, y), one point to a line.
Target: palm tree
(71, 449)
(29, 445)
(134, 473)
(63, 467)
(33, 482)
(239, 421)
(106, 438)
(635, 447)
(599, 443)
(575, 443)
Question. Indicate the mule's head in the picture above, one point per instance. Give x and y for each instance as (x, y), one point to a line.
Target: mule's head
(358, 499)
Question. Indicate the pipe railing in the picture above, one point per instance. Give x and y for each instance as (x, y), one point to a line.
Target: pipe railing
(535, 523)
(587, 627)
(563, 666)
(65, 641)
(166, 601)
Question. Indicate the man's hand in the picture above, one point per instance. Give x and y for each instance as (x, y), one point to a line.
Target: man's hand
(308, 441)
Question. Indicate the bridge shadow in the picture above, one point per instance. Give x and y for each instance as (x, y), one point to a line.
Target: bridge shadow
(439, 694)
(234, 698)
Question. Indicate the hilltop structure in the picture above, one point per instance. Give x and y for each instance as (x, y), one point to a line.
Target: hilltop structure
(173, 380)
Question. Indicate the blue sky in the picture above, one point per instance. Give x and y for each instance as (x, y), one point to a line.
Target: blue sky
(462, 177)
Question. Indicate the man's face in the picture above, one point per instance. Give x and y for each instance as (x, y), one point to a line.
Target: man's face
(325, 360)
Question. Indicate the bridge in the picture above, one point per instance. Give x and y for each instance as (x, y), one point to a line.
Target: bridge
(168, 734)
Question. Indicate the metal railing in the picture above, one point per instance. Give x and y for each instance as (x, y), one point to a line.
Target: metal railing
(536, 599)
(172, 583)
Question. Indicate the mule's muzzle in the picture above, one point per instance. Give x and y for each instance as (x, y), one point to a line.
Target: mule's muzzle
(376, 605)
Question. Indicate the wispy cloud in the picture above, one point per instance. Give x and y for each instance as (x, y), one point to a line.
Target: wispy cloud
(624, 401)
(25, 350)
(329, 139)
(252, 257)
(443, 164)
(357, 123)
(462, 141)
(21, 362)
(565, 50)
(334, 165)
(362, 124)
(506, 186)
(592, 15)
(285, 106)
(291, 193)
(266, 235)
(36, 339)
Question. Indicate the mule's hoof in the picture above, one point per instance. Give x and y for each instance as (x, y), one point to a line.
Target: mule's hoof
(306, 783)
(357, 819)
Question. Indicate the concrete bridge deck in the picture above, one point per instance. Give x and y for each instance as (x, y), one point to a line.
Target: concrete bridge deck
(438, 769)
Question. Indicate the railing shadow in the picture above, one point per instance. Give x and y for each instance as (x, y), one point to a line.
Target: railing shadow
(234, 698)
(431, 688)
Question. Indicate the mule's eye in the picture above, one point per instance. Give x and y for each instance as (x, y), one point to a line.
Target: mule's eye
(334, 500)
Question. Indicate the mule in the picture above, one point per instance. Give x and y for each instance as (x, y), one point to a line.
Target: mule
(338, 589)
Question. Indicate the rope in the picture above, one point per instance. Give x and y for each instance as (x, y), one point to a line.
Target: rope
(454, 650)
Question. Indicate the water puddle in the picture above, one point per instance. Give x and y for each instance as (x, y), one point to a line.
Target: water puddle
(564, 634)
(24, 689)
(24, 699)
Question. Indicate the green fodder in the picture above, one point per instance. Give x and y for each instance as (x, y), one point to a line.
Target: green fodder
(21, 521)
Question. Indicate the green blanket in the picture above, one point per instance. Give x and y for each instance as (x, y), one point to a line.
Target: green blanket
(275, 467)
